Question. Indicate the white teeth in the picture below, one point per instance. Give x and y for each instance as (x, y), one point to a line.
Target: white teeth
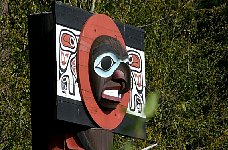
(113, 93)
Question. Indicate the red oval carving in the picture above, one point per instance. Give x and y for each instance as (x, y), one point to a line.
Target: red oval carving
(94, 27)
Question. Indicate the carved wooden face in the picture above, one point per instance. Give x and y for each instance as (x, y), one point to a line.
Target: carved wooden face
(103, 71)
(109, 72)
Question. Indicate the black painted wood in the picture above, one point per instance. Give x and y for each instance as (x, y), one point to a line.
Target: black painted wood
(42, 76)
(73, 111)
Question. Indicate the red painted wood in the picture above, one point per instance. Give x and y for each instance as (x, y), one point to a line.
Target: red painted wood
(72, 143)
(68, 141)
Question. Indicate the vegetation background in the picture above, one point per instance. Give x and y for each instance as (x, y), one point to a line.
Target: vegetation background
(186, 49)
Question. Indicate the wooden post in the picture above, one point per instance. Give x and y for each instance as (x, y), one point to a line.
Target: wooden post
(66, 112)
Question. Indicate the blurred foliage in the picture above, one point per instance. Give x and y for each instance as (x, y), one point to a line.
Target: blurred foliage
(186, 50)
(152, 101)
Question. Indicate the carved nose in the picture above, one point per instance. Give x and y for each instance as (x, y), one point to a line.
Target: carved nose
(119, 77)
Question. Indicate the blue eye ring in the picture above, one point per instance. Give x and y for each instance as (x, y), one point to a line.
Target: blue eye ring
(115, 62)
(113, 65)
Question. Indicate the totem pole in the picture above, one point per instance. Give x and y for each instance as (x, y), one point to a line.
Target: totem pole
(87, 79)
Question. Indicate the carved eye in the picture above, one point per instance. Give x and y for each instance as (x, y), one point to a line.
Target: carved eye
(106, 63)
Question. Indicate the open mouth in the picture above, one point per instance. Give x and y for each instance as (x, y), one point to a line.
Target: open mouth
(112, 94)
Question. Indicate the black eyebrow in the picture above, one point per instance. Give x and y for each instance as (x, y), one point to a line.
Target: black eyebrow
(104, 48)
